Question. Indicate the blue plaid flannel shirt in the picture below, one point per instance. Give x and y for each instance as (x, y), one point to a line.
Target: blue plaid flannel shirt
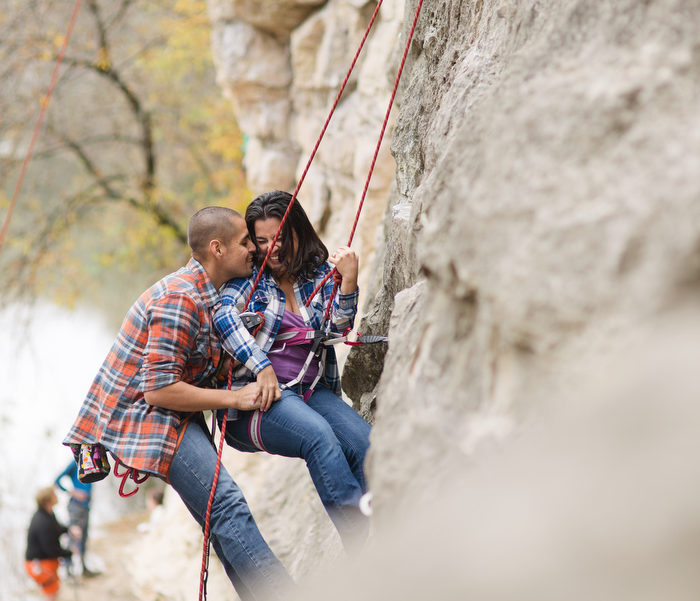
(269, 300)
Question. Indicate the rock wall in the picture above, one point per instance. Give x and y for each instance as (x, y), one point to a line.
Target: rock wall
(545, 211)
(542, 232)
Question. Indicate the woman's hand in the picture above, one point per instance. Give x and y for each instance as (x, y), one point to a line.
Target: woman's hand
(347, 263)
(269, 387)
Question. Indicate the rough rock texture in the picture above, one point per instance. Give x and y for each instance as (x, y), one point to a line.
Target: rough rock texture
(545, 206)
(543, 222)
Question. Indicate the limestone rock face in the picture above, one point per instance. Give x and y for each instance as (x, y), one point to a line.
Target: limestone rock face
(278, 17)
(545, 209)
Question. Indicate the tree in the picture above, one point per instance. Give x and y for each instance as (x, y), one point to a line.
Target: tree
(137, 137)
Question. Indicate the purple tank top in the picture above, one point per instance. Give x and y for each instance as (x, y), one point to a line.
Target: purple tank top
(287, 361)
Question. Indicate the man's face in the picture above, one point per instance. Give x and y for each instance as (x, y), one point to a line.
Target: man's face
(238, 254)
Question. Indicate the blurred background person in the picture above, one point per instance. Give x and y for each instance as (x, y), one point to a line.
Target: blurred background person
(44, 548)
(78, 512)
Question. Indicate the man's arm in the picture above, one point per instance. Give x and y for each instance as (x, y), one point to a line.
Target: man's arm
(173, 327)
(182, 396)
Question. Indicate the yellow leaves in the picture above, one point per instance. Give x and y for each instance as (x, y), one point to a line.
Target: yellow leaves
(102, 61)
(186, 47)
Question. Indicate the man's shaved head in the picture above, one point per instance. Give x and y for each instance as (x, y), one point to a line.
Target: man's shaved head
(211, 223)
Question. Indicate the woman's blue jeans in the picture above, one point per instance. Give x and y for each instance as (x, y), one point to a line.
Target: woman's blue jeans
(329, 435)
(250, 564)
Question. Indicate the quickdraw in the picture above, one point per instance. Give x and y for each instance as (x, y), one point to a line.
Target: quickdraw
(128, 474)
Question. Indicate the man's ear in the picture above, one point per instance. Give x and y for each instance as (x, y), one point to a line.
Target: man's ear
(215, 248)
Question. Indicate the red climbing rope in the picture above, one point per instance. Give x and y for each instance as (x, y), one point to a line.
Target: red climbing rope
(313, 152)
(334, 271)
(207, 519)
(44, 106)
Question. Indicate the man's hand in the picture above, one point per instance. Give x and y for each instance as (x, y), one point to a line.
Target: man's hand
(269, 387)
(246, 398)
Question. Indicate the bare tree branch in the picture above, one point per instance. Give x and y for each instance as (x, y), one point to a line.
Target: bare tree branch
(121, 12)
(146, 205)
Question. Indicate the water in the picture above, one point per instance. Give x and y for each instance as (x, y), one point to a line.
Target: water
(48, 358)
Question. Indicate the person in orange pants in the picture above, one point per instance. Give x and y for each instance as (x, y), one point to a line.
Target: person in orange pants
(43, 545)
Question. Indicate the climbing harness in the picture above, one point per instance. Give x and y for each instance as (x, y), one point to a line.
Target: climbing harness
(320, 341)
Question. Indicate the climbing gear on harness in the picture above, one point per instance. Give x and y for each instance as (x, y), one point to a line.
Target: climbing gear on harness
(319, 340)
(252, 321)
(129, 473)
(93, 464)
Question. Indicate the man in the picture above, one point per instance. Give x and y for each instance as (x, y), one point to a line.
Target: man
(78, 512)
(43, 545)
(145, 404)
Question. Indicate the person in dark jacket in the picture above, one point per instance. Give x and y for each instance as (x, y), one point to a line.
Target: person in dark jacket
(43, 545)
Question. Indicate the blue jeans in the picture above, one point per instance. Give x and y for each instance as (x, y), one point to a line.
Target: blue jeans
(249, 563)
(78, 515)
(329, 435)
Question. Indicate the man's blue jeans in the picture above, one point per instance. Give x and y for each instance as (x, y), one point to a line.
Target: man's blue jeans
(249, 563)
(329, 435)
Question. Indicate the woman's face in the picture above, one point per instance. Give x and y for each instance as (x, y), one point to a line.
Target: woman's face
(265, 230)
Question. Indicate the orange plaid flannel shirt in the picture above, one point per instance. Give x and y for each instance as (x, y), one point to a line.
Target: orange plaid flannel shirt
(166, 337)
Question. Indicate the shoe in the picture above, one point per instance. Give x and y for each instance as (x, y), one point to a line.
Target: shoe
(89, 573)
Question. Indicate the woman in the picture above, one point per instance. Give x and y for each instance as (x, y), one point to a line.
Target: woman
(43, 547)
(309, 420)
